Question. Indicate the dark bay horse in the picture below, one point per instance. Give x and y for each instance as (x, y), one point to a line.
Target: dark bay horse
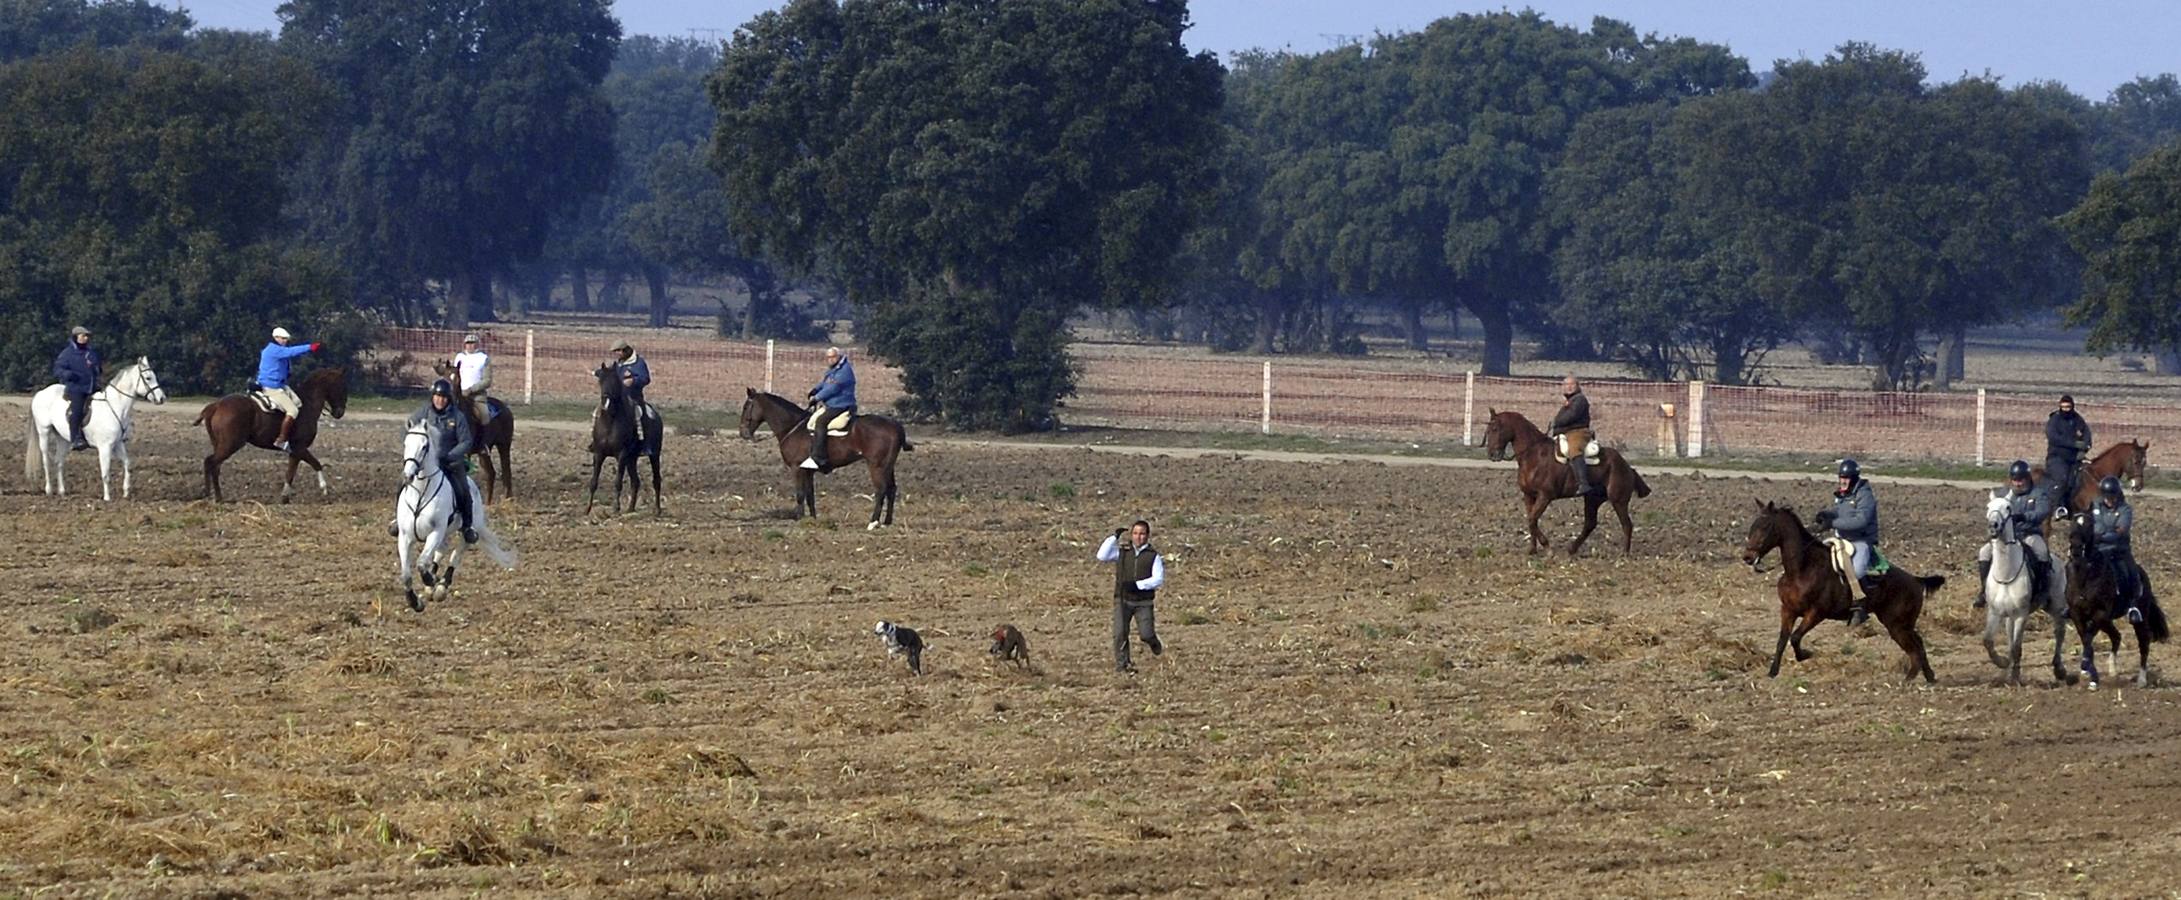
(2123, 460)
(1543, 478)
(876, 440)
(1812, 590)
(497, 433)
(2093, 586)
(236, 420)
(613, 434)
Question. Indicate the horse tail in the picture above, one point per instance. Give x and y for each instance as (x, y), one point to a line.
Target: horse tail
(904, 432)
(33, 455)
(1932, 582)
(1643, 488)
(489, 541)
(2154, 620)
(205, 413)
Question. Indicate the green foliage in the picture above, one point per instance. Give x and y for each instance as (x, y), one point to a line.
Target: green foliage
(465, 128)
(2138, 117)
(973, 172)
(2129, 231)
(140, 195)
(35, 27)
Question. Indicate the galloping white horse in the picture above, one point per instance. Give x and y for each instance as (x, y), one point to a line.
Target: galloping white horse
(2008, 603)
(426, 512)
(105, 426)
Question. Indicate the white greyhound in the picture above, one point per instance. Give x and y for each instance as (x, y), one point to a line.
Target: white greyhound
(2008, 603)
(105, 426)
(425, 512)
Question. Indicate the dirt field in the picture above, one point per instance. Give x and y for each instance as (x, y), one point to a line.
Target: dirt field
(1369, 692)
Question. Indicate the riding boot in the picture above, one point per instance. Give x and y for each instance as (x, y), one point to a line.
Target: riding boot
(79, 408)
(1858, 614)
(287, 427)
(1583, 485)
(459, 480)
(2040, 581)
(1984, 571)
(817, 449)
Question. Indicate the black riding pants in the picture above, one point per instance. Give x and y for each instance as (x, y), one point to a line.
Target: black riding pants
(79, 409)
(458, 478)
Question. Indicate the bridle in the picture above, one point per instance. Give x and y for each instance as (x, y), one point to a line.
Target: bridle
(147, 381)
(416, 471)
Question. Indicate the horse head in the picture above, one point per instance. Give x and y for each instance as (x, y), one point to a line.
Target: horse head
(331, 385)
(1767, 531)
(2132, 465)
(418, 447)
(144, 383)
(1495, 436)
(609, 387)
(753, 414)
(1999, 517)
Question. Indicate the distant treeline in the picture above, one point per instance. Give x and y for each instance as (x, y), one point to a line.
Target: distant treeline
(972, 174)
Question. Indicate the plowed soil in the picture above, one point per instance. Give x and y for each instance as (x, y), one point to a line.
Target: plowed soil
(1370, 690)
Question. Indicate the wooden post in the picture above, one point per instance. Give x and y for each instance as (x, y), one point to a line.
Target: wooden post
(1696, 419)
(1469, 408)
(768, 365)
(530, 363)
(1264, 421)
(1669, 438)
(1980, 426)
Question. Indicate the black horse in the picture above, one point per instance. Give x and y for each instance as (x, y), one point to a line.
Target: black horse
(614, 434)
(2093, 590)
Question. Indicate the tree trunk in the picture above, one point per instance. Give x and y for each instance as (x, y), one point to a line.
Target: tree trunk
(1953, 357)
(609, 292)
(541, 285)
(481, 296)
(662, 305)
(459, 289)
(2166, 362)
(1412, 311)
(512, 288)
(1499, 337)
(1268, 322)
(1726, 357)
(579, 289)
(764, 291)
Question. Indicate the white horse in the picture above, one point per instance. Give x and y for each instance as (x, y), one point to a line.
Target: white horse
(425, 512)
(105, 426)
(2007, 590)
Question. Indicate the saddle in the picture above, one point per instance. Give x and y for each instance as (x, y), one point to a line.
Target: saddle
(841, 425)
(256, 393)
(1579, 438)
(1843, 557)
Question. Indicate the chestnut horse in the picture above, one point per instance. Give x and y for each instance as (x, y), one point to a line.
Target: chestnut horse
(235, 420)
(2092, 589)
(876, 440)
(1542, 478)
(497, 433)
(2123, 460)
(1812, 590)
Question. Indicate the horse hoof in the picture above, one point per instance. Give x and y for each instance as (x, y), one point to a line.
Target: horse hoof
(2093, 685)
(415, 602)
(871, 527)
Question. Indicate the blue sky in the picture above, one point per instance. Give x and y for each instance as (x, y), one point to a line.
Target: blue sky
(2090, 46)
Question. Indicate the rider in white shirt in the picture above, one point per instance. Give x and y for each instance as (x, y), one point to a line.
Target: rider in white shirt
(474, 375)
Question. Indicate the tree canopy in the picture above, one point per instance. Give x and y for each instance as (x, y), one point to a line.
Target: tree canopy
(975, 172)
(2129, 232)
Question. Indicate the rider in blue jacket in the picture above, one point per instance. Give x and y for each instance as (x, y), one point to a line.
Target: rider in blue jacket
(77, 368)
(635, 374)
(1854, 518)
(835, 401)
(272, 380)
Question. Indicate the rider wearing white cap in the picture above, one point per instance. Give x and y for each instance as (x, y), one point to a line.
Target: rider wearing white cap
(272, 380)
(473, 369)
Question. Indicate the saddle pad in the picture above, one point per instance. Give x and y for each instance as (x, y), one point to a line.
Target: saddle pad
(1578, 438)
(264, 403)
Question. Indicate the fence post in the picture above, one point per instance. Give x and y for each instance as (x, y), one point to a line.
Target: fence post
(1469, 408)
(1980, 426)
(768, 365)
(1264, 422)
(1669, 438)
(530, 364)
(1696, 419)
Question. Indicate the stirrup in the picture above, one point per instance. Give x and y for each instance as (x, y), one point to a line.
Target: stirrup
(1857, 615)
(2135, 615)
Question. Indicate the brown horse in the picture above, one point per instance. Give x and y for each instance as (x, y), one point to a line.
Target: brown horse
(1812, 589)
(2092, 589)
(1543, 478)
(2124, 460)
(236, 420)
(613, 434)
(876, 440)
(496, 433)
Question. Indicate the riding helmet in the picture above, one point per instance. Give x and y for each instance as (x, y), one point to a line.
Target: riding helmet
(1849, 469)
(2019, 471)
(2109, 486)
(442, 388)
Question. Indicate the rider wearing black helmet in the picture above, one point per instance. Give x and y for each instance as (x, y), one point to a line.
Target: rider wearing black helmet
(2031, 506)
(2111, 519)
(1854, 518)
(442, 416)
(2067, 439)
